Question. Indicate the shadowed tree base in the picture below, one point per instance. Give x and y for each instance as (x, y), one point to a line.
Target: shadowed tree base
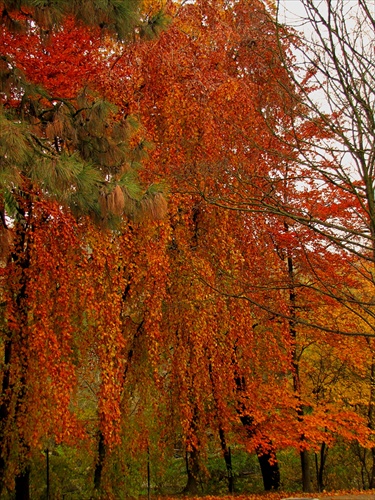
(23, 485)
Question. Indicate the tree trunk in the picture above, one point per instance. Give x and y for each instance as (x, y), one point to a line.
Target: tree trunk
(304, 454)
(372, 474)
(269, 467)
(4, 412)
(223, 443)
(47, 475)
(14, 391)
(320, 467)
(100, 462)
(228, 460)
(23, 485)
(268, 463)
(306, 473)
(192, 470)
(192, 456)
(148, 474)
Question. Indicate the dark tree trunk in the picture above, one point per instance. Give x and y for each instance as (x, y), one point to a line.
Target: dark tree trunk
(268, 463)
(192, 451)
(361, 454)
(100, 462)
(4, 411)
(320, 466)
(47, 475)
(372, 473)
(266, 454)
(228, 460)
(223, 443)
(304, 454)
(14, 392)
(148, 474)
(306, 473)
(192, 470)
(98, 473)
(23, 485)
(269, 468)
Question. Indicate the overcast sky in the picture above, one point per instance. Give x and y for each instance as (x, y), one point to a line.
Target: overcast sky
(292, 10)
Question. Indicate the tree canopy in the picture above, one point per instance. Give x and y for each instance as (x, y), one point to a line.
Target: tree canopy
(187, 238)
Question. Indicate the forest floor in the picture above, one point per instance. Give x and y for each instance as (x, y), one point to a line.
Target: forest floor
(338, 496)
(334, 495)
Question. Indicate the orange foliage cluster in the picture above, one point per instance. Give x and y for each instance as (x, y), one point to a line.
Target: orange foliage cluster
(62, 63)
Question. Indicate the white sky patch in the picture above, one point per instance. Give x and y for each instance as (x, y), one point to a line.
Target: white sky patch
(292, 12)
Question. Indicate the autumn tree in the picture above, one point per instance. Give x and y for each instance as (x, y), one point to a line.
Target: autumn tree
(330, 131)
(243, 158)
(334, 80)
(58, 142)
(318, 191)
(214, 58)
(41, 313)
